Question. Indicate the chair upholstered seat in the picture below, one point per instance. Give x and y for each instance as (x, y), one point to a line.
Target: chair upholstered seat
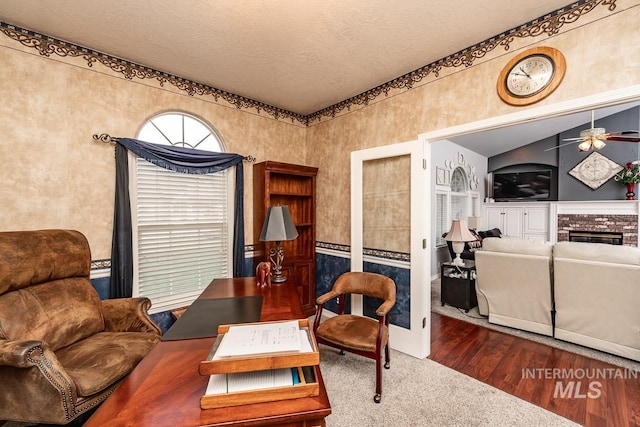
(116, 353)
(354, 332)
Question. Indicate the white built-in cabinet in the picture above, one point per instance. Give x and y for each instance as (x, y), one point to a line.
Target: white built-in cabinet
(522, 220)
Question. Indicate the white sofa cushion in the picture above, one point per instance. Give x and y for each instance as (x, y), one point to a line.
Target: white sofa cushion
(597, 289)
(514, 283)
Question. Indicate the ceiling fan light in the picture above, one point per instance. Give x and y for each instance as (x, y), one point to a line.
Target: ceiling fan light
(584, 145)
(598, 144)
(592, 132)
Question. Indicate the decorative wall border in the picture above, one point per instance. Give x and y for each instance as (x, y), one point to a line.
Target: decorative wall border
(100, 264)
(48, 46)
(377, 253)
(549, 24)
(333, 246)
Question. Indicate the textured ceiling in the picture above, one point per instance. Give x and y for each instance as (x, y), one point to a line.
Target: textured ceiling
(301, 56)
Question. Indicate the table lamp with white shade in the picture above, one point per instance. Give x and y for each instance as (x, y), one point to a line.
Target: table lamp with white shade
(475, 222)
(459, 234)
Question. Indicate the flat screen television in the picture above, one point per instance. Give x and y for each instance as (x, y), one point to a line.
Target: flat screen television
(533, 185)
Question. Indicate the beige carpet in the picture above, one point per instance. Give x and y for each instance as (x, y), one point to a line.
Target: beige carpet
(420, 392)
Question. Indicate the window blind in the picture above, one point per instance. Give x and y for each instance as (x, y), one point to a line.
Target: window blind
(182, 233)
(442, 218)
(459, 206)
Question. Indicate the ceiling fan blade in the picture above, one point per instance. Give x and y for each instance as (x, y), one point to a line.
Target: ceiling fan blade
(562, 145)
(580, 138)
(624, 132)
(623, 138)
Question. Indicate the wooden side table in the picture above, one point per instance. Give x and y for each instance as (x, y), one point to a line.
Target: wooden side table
(458, 285)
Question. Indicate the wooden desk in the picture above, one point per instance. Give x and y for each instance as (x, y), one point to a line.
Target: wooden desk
(165, 388)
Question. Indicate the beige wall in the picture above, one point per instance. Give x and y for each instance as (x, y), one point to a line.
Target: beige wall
(602, 55)
(55, 176)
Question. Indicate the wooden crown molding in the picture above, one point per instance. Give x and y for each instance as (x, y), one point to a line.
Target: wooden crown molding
(549, 24)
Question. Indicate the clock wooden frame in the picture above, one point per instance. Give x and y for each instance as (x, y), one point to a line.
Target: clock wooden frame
(559, 65)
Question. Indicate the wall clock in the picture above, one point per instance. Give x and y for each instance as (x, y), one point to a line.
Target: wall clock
(531, 76)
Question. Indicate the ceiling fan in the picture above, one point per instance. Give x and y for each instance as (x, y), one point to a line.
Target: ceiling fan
(595, 137)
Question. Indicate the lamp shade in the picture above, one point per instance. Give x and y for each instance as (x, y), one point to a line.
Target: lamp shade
(459, 232)
(475, 222)
(278, 225)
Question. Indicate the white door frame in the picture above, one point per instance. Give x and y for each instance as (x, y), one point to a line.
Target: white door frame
(601, 100)
(416, 341)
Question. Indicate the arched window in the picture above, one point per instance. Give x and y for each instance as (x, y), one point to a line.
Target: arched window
(459, 195)
(180, 129)
(459, 181)
(180, 221)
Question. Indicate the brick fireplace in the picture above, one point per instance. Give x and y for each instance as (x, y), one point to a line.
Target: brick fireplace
(611, 223)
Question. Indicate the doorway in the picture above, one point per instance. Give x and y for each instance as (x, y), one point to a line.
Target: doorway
(389, 236)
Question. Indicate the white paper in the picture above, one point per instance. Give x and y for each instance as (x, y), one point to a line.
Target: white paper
(217, 384)
(276, 337)
(244, 381)
(305, 343)
(256, 380)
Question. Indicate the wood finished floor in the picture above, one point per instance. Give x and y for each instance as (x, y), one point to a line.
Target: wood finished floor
(498, 359)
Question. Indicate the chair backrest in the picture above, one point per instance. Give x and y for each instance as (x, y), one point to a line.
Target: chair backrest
(45, 292)
(369, 284)
(29, 258)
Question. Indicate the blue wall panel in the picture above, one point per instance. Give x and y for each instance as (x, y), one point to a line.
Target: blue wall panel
(329, 267)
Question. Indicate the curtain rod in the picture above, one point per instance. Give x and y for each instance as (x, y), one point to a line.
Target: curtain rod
(108, 139)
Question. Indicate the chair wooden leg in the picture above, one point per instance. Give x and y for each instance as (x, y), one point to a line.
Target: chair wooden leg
(378, 395)
(387, 363)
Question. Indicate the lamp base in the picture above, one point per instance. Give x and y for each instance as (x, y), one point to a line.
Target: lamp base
(458, 247)
(277, 255)
(456, 261)
(278, 278)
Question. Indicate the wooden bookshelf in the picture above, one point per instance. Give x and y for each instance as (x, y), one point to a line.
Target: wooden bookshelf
(294, 186)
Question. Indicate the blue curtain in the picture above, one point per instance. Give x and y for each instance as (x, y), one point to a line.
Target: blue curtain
(177, 159)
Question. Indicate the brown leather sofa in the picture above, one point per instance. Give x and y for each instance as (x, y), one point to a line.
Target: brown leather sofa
(62, 349)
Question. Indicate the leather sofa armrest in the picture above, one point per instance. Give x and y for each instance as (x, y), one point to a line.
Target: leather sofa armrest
(128, 315)
(31, 365)
(19, 354)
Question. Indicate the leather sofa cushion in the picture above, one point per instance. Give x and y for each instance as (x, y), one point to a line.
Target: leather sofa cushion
(599, 252)
(59, 313)
(34, 257)
(101, 360)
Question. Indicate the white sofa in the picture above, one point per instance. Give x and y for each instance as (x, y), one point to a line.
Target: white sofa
(514, 283)
(584, 293)
(597, 292)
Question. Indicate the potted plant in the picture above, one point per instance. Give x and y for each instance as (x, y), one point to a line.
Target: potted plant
(629, 176)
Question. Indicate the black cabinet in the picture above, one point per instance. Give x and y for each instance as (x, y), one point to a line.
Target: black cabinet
(458, 285)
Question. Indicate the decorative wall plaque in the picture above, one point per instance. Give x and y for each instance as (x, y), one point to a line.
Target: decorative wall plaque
(595, 170)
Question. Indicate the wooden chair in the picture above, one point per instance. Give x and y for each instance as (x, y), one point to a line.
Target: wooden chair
(358, 334)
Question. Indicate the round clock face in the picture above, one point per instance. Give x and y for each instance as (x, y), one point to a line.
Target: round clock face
(530, 75)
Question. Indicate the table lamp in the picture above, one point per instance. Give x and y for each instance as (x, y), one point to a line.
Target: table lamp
(278, 226)
(458, 235)
(475, 222)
